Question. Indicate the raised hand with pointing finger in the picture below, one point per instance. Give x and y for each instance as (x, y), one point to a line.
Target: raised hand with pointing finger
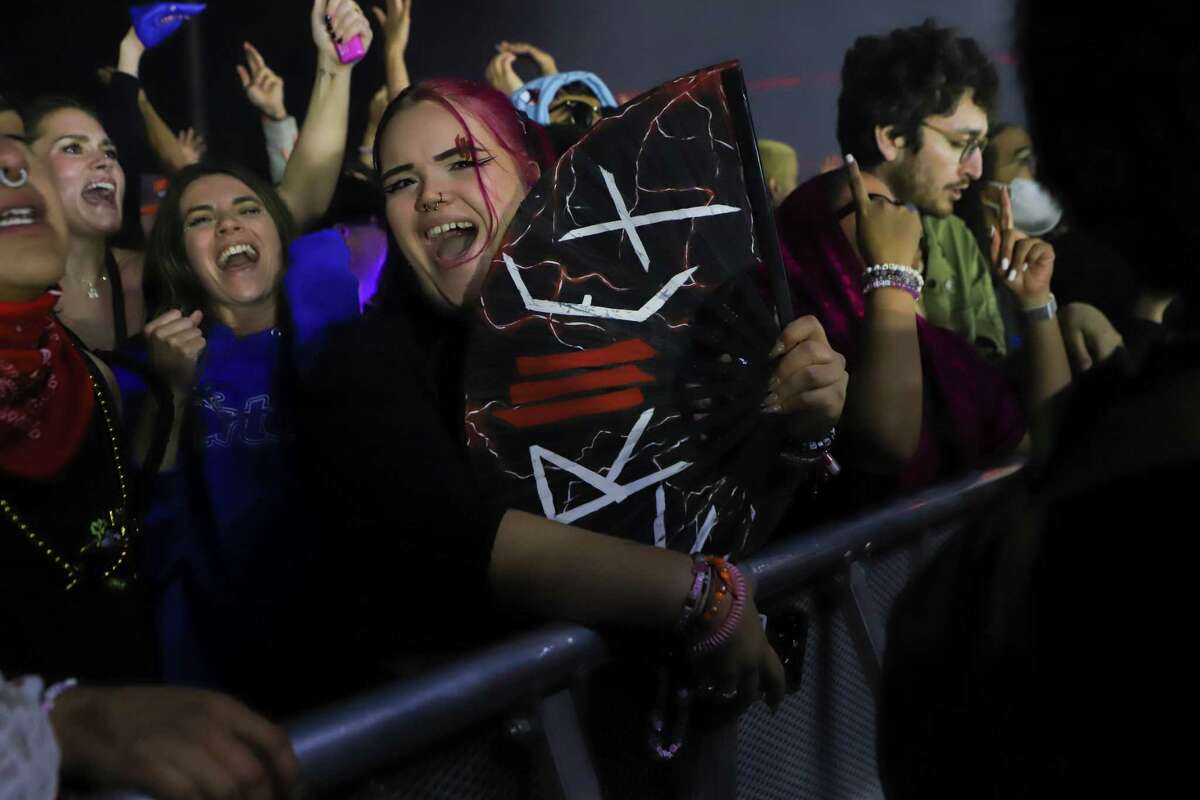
(887, 232)
(1022, 263)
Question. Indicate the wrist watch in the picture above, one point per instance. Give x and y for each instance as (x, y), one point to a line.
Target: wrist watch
(1043, 312)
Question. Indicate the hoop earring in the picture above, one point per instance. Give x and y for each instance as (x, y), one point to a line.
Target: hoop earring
(18, 183)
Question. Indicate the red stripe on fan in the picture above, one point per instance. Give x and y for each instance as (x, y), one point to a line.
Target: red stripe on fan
(536, 391)
(547, 413)
(619, 353)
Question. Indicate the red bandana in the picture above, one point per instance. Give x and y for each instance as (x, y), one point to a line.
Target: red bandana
(45, 391)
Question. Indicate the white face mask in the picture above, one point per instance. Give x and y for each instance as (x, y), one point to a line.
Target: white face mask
(1035, 211)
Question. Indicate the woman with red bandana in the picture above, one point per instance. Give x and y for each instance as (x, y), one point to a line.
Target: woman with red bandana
(71, 609)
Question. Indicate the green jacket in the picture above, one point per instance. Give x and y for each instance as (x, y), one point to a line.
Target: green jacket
(958, 286)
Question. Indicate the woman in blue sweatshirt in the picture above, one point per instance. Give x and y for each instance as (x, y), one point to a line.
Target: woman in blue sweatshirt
(230, 536)
(240, 307)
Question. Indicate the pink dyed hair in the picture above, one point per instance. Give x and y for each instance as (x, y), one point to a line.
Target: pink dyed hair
(524, 141)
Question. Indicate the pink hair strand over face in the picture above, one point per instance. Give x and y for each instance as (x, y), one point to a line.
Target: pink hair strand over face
(522, 140)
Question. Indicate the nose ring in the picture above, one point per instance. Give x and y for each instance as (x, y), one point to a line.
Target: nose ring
(436, 204)
(22, 178)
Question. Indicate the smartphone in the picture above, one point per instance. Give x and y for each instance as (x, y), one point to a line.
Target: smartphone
(351, 51)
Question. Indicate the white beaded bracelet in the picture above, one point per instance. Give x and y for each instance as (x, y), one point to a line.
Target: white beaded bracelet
(893, 276)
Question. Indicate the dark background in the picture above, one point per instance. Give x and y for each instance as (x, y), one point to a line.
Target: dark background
(791, 52)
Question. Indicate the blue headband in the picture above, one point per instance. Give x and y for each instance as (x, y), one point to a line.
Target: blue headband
(534, 98)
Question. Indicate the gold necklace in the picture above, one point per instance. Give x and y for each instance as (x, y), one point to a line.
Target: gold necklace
(107, 529)
(92, 292)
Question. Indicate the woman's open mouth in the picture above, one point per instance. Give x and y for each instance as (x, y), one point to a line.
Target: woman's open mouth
(237, 256)
(449, 242)
(101, 193)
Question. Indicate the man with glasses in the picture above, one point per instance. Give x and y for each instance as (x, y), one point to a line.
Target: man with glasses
(914, 112)
(924, 401)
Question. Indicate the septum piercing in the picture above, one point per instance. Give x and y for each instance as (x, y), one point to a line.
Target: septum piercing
(18, 183)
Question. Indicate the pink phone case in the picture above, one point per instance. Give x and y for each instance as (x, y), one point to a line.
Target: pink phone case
(351, 51)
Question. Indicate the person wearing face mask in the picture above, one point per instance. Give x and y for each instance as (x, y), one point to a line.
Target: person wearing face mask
(1037, 655)
(1009, 162)
(913, 305)
(1102, 304)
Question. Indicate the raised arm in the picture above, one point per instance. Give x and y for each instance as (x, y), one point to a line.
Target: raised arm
(175, 344)
(312, 172)
(885, 404)
(396, 22)
(366, 148)
(1025, 265)
(264, 89)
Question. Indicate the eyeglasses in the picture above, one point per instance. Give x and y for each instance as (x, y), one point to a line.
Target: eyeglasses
(969, 148)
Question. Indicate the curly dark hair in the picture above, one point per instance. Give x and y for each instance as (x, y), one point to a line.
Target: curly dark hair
(902, 78)
(1112, 107)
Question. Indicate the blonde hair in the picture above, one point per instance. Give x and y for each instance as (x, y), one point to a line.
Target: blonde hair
(778, 161)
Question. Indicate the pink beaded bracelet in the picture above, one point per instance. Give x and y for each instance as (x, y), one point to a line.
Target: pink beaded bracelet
(692, 604)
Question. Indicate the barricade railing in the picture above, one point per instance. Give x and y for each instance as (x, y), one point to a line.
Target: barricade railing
(369, 732)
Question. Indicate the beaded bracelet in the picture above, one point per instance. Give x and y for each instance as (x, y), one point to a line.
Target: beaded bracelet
(737, 588)
(819, 445)
(893, 276)
(694, 602)
(721, 570)
(816, 453)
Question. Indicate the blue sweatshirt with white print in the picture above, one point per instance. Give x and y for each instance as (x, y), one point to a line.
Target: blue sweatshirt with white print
(230, 539)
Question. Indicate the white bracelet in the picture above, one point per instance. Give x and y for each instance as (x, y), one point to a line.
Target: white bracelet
(1042, 312)
(893, 276)
(56, 691)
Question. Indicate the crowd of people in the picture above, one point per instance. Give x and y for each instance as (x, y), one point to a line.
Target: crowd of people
(209, 423)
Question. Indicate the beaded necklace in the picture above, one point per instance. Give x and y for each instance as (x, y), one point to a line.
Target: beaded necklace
(110, 529)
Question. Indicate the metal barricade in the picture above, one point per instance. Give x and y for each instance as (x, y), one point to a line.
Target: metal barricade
(503, 721)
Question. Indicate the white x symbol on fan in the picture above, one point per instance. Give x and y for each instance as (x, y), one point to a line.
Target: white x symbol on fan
(631, 224)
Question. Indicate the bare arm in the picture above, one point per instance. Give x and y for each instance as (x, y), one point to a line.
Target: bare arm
(1025, 266)
(555, 571)
(366, 149)
(884, 407)
(551, 570)
(885, 402)
(165, 144)
(313, 170)
(396, 22)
